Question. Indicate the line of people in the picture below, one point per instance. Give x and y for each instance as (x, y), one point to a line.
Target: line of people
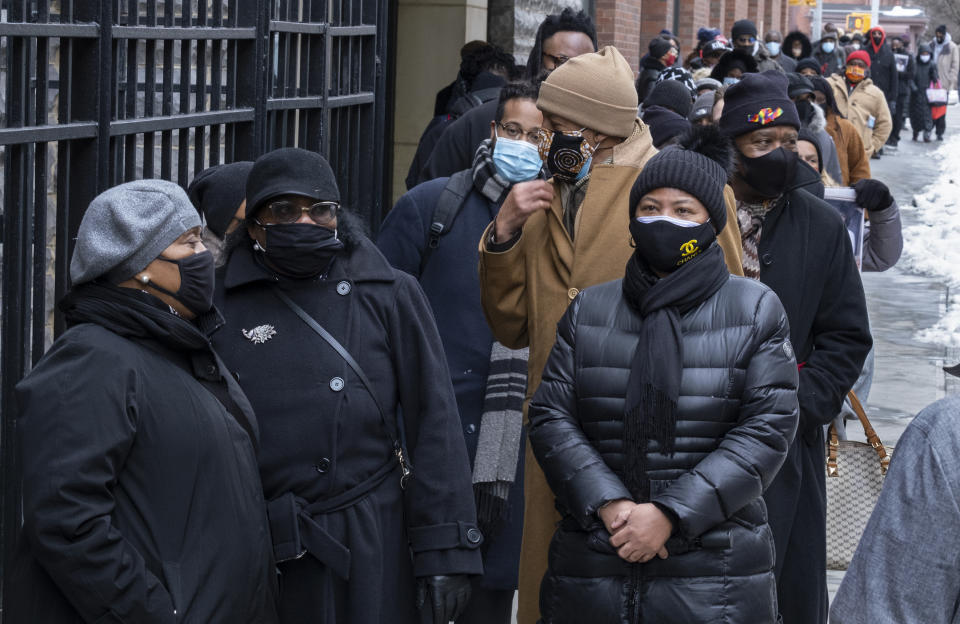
(590, 357)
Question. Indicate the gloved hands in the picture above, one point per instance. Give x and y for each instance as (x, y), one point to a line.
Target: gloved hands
(873, 195)
(447, 596)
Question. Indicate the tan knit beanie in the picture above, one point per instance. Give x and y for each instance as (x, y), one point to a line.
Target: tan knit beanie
(595, 90)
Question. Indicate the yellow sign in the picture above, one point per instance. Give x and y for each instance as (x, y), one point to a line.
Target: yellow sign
(858, 22)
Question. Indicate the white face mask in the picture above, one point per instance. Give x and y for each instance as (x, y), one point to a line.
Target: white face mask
(924, 58)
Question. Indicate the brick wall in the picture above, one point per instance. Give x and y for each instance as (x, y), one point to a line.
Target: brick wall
(692, 15)
(774, 14)
(619, 24)
(735, 10)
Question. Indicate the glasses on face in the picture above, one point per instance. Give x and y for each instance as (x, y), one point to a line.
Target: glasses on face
(556, 60)
(516, 133)
(285, 211)
(746, 39)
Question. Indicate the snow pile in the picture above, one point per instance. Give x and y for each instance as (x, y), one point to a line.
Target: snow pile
(930, 241)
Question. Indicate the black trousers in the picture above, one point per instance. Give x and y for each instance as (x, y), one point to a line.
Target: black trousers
(940, 125)
(488, 606)
(902, 104)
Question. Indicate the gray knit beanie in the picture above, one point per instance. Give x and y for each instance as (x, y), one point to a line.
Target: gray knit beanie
(126, 227)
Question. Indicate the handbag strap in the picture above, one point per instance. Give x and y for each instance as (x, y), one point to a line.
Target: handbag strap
(396, 434)
(872, 438)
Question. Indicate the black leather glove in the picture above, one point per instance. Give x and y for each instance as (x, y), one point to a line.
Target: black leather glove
(447, 596)
(873, 195)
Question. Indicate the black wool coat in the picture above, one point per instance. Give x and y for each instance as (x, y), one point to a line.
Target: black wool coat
(456, 147)
(736, 418)
(322, 436)
(141, 497)
(650, 69)
(883, 70)
(452, 286)
(806, 258)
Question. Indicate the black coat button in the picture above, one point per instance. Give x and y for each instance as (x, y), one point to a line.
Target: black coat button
(471, 428)
(323, 465)
(767, 259)
(211, 369)
(474, 536)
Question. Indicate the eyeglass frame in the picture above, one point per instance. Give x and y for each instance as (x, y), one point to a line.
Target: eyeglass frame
(557, 60)
(533, 138)
(334, 205)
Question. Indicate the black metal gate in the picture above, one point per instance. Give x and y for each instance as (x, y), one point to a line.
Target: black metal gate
(99, 92)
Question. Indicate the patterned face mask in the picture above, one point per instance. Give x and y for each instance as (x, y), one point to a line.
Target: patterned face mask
(566, 154)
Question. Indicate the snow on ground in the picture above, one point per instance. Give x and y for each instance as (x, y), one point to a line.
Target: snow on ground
(931, 241)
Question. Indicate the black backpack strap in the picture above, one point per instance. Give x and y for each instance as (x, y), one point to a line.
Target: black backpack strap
(451, 200)
(397, 433)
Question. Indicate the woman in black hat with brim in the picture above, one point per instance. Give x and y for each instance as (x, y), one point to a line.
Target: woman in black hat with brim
(667, 406)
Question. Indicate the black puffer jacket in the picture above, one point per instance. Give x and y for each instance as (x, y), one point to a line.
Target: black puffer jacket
(737, 417)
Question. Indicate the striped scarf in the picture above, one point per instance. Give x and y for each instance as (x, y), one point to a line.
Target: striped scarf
(750, 218)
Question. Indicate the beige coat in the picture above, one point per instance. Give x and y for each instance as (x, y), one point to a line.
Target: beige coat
(526, 289)
(864, 102)
(948, 63)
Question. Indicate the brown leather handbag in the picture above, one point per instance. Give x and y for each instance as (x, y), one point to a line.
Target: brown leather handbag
(855, 472)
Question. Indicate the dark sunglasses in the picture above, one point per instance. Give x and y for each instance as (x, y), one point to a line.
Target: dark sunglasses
(321, 213)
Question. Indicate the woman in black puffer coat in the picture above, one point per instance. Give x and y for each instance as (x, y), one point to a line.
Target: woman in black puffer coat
(667, 406)
(925, 75)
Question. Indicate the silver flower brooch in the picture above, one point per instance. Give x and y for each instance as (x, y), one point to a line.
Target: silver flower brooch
(259, 334)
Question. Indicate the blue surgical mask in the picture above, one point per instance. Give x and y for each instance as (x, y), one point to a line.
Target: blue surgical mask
(516, 161)
(773, 47)
(730, 80)
(827, 46)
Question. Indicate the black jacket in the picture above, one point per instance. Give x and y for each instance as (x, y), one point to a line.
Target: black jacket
(806, 258)
(650, 69)
(905, 77)
(737, 414)
(883, 70)
(141, 497)
(321, 434)
(830, 62)
(458, 144)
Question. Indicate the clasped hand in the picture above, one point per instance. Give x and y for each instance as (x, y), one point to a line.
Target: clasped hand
(637, 531)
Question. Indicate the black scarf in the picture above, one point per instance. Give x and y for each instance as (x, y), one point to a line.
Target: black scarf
(654, 386)
(135, 314)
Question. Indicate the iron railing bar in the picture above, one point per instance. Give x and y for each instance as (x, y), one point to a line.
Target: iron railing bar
(297, 27)
(315, 101)
(353, 31)
(183, 32)
(199, 133)
(180, 122)
(49, 29)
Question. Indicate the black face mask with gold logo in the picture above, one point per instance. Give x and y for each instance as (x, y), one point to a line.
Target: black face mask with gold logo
(667, 243)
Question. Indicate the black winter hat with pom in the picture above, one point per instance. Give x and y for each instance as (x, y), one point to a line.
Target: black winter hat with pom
(699, 164)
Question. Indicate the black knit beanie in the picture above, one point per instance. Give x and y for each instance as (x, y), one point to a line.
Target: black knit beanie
(806, 135)
(290, 171)
(698, 165)
(809, 63)
(217, 193)
(670, 94)
(743, 27)
(664, 124)
(798, 85)
(658, 47)
(758, 101)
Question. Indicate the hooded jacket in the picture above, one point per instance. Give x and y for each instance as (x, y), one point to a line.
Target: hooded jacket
(830, 62)
(924, 75)
(650, 69)
(883, 65)
(764, 60)
(787, 47)
(736, 417)
(866, 107)
(141, 496)
(947, 57)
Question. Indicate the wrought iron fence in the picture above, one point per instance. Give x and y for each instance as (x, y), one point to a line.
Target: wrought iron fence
(98, 92)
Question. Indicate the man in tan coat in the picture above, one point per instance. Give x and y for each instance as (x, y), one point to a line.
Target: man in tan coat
(551, 239)
(860, 101)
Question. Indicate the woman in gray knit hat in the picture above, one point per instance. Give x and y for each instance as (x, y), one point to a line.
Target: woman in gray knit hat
(667, 405)
(141, 495)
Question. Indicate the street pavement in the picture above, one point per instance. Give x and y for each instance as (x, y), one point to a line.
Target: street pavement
(909, 373)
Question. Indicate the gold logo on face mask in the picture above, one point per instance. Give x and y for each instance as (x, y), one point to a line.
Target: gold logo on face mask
(689, 248)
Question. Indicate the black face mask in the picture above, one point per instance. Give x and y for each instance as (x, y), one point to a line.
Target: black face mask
(805, 111)
(667, 244)
(771, 174)
(197, 274)
(569, 157)
(300, 250)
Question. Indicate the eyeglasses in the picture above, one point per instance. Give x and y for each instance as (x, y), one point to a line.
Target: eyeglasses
(746, 39)
(556, 60)
(321, 213)
(516, 133)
